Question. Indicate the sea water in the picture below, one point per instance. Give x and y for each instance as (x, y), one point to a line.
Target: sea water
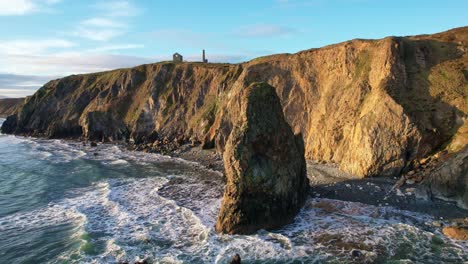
(62, 202)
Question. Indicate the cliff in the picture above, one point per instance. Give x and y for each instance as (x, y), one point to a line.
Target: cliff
(8, 106)
(375, 107)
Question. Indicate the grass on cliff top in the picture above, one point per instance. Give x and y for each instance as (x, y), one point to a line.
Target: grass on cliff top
(363, 65)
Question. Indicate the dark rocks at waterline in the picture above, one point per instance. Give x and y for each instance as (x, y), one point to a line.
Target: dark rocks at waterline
(93, 144)
(236, 259)
(356, 253)
(265, 167)
(449, 180)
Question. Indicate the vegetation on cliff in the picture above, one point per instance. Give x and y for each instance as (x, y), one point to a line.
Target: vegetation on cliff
(375, 107)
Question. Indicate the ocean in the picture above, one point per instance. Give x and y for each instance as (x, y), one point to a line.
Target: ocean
(62, 202)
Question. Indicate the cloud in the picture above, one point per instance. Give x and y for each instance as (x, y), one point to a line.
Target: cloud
(24, 7)
(115, 48)
(100, 29)
(265, 30)
(98, 34)
(119, 8)
(67, 63)
(180, 37)
(114, 22)
(12, 85)
(16, 7)
(61, 57)
(24, 47)
(102, 22)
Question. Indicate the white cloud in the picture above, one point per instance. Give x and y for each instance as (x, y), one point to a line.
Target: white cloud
(25, 47)
(23, 7)
(115, 48)
(16, 7)
(100, 29)
(102, 22)
(265, 30)
(52, 2)
(16, 93)
(112, 22)
(98, 34)
(12, 85)
(180, 37)
(61, 57)
(67, 63)
(118, 8)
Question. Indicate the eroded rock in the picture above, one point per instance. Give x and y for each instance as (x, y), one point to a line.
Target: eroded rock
(265, 166)
(456, 232)
(449, 181)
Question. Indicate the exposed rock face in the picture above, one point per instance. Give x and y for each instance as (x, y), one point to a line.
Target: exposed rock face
(449, 180)
(371, 106)
(8, 106)
(456, 232)
(264, 164)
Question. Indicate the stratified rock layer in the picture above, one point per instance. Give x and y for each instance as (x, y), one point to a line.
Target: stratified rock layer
(264, 164)
(374, 107)
(449, 180)
(8, 106)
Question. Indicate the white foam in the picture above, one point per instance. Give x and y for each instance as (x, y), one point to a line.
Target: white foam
(119, 162)
(135, 221)
(171, 218)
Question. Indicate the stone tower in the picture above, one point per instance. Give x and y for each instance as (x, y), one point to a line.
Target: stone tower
(204, 60)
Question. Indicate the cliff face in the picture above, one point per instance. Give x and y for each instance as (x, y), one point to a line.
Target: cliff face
(372, 106)
(8, 106)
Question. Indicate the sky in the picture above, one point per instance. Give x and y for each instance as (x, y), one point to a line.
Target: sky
(42, 40)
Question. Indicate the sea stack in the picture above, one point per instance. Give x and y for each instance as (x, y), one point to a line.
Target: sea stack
(265, 166)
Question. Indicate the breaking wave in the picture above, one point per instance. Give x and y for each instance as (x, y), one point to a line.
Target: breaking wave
(144, 206)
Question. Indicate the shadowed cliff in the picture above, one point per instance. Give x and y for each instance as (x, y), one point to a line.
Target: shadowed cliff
(372, 106)
(8, 106)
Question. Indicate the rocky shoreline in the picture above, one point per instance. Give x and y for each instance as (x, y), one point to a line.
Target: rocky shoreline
(374, 108)
(328, 181)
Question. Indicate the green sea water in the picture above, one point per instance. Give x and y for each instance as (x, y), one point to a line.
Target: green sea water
(62, 202)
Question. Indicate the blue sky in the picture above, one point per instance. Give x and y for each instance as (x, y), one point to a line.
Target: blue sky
(45, 39)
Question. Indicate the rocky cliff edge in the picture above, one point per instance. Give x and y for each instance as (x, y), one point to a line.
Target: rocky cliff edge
(374, 107)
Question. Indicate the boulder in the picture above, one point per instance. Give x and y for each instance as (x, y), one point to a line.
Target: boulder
(265, 166)
(449, 181)
(456, 232)
(236, 259)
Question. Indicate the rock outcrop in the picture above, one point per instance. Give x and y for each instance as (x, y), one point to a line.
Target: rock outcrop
(374, 107)
(449, 180)
(456, 232)
(8, 106)
(264, 165)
